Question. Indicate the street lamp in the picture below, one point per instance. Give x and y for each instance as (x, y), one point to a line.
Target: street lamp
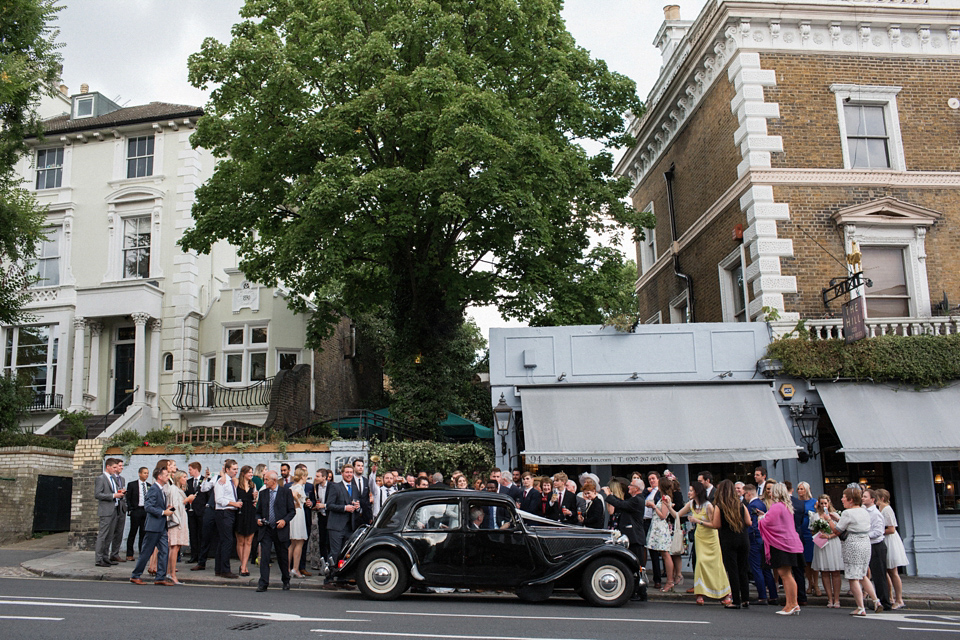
(806, 419)
(502, 414)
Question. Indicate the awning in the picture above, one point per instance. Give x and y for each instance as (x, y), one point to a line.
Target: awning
(879, 423)
(654, 424)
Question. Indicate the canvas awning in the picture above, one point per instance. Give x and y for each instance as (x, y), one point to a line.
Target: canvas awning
(880, 423)
(654, 424)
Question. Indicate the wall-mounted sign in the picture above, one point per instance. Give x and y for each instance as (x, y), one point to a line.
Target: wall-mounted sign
(787, 391)
(854, 320)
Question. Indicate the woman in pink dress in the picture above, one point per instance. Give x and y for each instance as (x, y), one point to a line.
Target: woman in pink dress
(179, 535)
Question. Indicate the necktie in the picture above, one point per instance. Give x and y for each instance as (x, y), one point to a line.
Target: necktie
(143, 492)
(350, 490)
(113, 483)
(272, 516)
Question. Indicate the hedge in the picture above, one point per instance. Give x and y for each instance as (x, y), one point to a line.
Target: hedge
(924, 361)
(429, 456)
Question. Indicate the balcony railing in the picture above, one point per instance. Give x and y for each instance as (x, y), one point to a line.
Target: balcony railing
(47, 402)
(827, 328)
(202, 394)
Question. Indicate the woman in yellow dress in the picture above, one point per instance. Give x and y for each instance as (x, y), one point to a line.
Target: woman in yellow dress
(709, 576)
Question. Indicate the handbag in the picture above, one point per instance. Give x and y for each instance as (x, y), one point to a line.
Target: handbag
(843, 535)
(172, 520)
(679, 543)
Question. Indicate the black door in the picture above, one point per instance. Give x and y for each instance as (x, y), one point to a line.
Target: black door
(123, 382)
(496, 556)
(51, 507)
(435, 533)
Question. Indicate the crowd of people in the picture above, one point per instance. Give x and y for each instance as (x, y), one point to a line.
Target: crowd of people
(734, 533)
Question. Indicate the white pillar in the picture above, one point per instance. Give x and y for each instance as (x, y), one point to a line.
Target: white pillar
(154, 386)
(93, 381)
(76, 389)
(139, 358)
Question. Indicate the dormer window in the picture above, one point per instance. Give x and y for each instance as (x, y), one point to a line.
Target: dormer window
(83, 107)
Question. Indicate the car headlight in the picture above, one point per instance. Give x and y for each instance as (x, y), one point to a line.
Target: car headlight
(618, 538)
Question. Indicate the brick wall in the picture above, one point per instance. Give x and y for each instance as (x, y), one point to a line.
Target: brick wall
(87, 465)
(808, 109)
(290, 400)
(19, 469)
(347, 382)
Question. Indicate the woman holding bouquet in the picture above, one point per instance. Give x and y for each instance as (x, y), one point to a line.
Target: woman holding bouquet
(827, 559)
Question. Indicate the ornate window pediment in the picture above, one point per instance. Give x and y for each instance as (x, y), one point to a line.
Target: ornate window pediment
(887, 212)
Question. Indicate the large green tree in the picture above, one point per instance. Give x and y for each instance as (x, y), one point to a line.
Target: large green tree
(419, 156)
(29, 67)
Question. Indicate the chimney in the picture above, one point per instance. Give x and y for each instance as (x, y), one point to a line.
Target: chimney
(63, 89)
(671, 32)
(84, 88)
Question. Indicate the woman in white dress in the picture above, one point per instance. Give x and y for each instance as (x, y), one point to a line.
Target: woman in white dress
(178, 536)
(298, 526)
(896, 553)
(828, 559)
(856, 548)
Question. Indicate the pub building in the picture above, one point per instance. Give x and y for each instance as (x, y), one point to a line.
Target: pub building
(703, 396)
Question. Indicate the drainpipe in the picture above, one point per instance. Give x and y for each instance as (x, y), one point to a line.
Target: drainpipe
(668, 177)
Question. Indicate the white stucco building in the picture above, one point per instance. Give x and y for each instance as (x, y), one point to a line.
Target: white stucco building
(123, 321)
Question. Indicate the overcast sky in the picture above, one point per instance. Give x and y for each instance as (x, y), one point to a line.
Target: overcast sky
(135, 51)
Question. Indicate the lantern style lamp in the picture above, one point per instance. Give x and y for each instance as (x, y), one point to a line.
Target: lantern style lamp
(806, 419)
(502, 413)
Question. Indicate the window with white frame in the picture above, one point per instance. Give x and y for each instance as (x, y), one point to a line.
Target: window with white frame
(32, 352)
(648, 246)
(136, 247)
(287, 359)
(46, 266)
(869, 126)
(140, 156)
(656, 318)
(680, 309)
(49, 168)
(245, 354)
(733, 290)
(889, 296)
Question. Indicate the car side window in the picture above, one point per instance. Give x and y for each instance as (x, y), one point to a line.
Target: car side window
(435, 517)
(486, 514)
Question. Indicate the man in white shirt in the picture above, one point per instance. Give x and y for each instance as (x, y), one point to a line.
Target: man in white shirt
(760, 478)
(878, 550)
(225, 497)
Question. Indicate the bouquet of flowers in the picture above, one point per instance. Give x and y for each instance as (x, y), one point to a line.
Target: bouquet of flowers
(820, 526)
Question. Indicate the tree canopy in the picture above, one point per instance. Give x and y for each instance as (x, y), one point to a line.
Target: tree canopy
(417, 156)
(29, 66)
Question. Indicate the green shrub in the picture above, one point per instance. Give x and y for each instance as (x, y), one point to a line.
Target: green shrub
(426, 455)
(9, 439)
(923, 361)
(160, 436)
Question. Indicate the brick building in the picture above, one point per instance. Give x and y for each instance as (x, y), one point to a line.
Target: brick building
(780, 137)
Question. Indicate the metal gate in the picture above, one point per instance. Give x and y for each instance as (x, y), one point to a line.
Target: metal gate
(51, 508)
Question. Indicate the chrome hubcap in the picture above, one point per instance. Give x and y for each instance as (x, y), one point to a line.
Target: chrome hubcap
(381, 575)
(609, 582)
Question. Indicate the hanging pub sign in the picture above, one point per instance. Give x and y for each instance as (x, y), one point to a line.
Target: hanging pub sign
(854, 320)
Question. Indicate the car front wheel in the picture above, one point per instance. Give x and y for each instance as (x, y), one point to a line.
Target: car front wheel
(606, 582)
(382, 576)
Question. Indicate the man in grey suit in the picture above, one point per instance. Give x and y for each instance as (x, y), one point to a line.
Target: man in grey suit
(116, 544)
(155, 505)
(109, 497)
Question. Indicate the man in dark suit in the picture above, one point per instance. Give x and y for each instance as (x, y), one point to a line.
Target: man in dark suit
(631, 512)
(363, 483)
(563, 503)
(195, 510)
(275, 509)
(706, 479)
(136, 494)
(529, 497)
(505, 485)
(320, 484)
(343, 513)
(156, 528)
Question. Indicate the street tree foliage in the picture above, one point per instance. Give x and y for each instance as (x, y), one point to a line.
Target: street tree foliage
(418, 156)
(29, 67)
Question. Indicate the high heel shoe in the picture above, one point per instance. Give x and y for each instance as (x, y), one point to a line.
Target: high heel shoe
(793, 612)
(678, 580)
(700, 600)
(668, 588)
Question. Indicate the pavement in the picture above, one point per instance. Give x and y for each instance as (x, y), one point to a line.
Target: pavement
(47, 557)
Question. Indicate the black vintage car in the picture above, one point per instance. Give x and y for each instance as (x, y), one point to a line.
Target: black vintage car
(480, 540)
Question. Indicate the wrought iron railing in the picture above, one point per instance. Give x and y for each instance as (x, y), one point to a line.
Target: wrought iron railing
(203, 394)
(47, 402)
(101, 425)
(363, 424)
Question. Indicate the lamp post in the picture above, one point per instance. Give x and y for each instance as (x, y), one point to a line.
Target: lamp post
(806, 419)
(502, 414)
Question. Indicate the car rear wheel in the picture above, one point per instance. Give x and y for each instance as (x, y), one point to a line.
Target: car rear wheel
(606, 582)
(382, 576)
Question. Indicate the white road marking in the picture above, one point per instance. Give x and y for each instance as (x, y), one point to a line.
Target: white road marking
(283, 617)
(71, 599)
(29, 618)
(917, 618)
(929, 629)
(526, 617)
(420, 634)
(292, 617)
